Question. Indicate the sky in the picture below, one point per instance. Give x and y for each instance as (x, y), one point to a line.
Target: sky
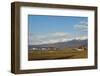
(44, 29)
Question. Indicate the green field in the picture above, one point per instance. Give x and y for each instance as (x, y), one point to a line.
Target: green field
(67, 53)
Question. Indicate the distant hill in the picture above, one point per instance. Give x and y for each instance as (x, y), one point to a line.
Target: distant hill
(69, 44)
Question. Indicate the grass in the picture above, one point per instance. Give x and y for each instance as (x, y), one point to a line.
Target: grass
(66, 53)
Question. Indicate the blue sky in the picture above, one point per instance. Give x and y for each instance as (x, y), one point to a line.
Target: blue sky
(42, 28)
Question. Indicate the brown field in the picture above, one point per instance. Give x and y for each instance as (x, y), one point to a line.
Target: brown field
(67, 53)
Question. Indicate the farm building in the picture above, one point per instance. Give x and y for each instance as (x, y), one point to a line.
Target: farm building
(81, 48)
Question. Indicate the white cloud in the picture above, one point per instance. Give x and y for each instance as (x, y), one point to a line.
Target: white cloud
(82, 26)
(81, 38)
(59, 34)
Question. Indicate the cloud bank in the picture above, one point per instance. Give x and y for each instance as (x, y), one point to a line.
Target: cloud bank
(36, 39)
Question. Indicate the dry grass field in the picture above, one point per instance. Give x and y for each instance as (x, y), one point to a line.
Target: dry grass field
(67, 53)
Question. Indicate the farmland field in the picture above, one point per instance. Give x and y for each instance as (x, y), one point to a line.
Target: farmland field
(66, 53)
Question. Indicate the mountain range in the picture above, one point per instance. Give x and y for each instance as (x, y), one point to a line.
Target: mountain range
(68, 44)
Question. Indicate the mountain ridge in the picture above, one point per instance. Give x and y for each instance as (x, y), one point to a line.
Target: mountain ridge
(69, 44)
